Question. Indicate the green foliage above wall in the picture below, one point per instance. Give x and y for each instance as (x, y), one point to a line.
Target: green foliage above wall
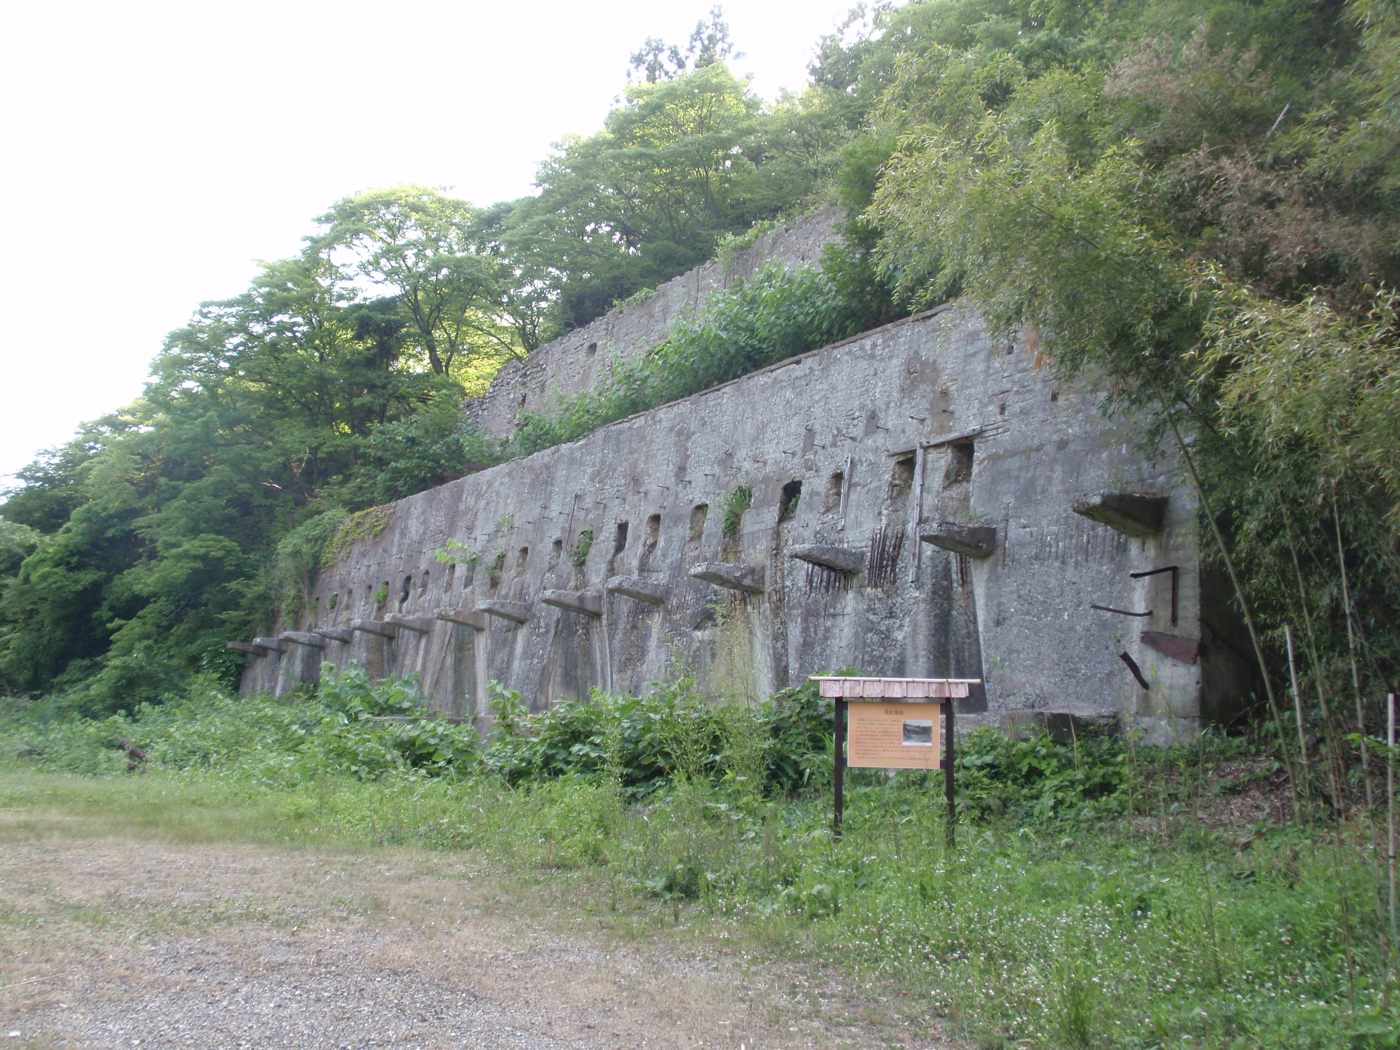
(774, 315)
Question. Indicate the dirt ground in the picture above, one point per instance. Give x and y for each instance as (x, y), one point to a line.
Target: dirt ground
(122, 943)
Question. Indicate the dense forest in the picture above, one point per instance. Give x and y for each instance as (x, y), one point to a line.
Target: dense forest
(1194, 204)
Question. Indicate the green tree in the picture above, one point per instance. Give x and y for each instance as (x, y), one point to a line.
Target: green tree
(709, 43)
(647, 197)
(418, 247)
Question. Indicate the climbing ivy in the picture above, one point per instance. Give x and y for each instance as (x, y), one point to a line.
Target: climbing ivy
(355, 528)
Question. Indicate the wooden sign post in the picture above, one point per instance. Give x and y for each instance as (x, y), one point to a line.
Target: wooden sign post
(894, 723)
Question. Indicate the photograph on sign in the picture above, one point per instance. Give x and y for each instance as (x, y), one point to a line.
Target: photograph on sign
(885, 735)
(918, 733)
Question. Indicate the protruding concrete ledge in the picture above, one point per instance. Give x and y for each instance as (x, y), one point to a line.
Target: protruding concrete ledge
(270, 645)
(575, 601)
(416, 624)
(748, 578)
(515, 612)
(640, 588)
(379, 627)
(1131, 513)
(466, 617)
(847, 560)
(244, 647)
(976, 541)
(336, 634)
(314, 641)
(1184, 649)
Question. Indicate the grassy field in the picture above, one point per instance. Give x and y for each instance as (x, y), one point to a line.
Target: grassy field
(1098, 895)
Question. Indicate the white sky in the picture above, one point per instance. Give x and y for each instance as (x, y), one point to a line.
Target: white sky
(154, 151)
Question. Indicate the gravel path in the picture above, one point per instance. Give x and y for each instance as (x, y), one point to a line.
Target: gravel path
(119, 943)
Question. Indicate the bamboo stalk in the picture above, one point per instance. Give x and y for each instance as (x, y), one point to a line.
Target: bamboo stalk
(1390, 702)
(1329, 730)
(1372, 815)
(1332, 737)
(1306, 777)
(1351, 658)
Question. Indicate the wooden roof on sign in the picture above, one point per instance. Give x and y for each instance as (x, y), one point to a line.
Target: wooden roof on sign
(852, 688)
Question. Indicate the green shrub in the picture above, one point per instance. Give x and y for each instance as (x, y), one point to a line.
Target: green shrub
(351, 726)
(1036, 779)
(645, 743)
(583, 545)
(732, 507)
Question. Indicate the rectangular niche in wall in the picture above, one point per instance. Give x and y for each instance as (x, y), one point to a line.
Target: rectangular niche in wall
(619, 545)
(902, 475)
(834, 485)
(698, 513)
(649, 544)
(788, 501)
(959, 468)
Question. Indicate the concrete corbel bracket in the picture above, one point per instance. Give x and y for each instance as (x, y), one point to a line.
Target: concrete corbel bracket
(575, 601)
(638, 588)
(466, 617)
(269, 645)
(747, 578)
(1135, 514)
(336, 634)
(243, 647)
(379, 627)
(416, 624)
(846, 560)
(312, 641)
(1187, 650)
(515, 612)
(976, 541)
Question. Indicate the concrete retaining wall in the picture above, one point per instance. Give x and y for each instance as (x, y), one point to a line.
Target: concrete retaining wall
(923, 428)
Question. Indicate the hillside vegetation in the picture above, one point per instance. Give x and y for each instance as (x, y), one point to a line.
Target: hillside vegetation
(1192, 204)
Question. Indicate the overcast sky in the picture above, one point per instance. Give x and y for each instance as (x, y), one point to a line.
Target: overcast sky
(155, 151)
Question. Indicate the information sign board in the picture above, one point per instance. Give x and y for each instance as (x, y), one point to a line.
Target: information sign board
(894, 723)
(885, 735)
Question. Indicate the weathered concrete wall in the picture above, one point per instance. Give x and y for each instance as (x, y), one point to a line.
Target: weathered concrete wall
(579, 360)
(852, 452)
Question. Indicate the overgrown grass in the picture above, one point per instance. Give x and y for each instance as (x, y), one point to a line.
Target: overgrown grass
(1083, 905)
